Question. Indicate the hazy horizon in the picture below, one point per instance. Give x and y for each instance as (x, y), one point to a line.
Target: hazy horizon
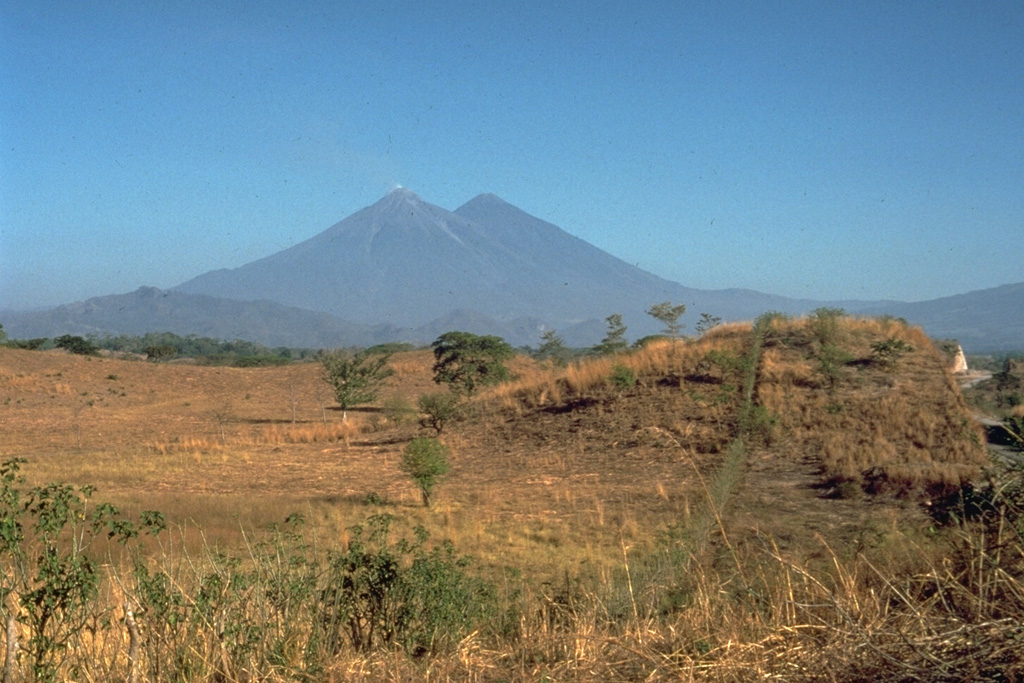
(867, 151)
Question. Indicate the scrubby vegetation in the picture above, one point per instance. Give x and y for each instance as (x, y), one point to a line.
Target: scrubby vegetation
(725, 508)
(165, 346)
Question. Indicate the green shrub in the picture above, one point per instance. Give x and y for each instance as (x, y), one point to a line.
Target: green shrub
(889, 352)
(426, 461)
(439, 409)
(47, 539)
(380, 594)
(622, 378)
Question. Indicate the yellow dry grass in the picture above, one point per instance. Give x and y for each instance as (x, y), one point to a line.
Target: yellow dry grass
(590, 491)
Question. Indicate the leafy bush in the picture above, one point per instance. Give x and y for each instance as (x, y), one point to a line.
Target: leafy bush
(46, 538)
(426, 461)
(381, 594)
(622, 377)
(888, 353)
(439, 409)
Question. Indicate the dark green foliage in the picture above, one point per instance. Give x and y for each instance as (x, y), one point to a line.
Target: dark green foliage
(622, 377)
(615, 340)
(160, 351)
(46, 541)
(889, 352)
(163, 345)
(669, 316)
(439, 409)
(287, 607)
(466, 361)
(28, 344)
(356, 378)
(77, 345)
(426, 461)
(381, 594)
(391, 348)
(1014, 426)
(261, 361)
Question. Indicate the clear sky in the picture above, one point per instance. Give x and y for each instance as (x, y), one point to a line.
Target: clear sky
(812, 149)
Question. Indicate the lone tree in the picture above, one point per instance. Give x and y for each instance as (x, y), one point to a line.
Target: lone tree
(668, 315)
(355, 377)
(426, 461)
(615, 340)
(466, 361)
(553, 348)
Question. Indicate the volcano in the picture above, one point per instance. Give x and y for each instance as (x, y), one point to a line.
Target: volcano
(405, 262)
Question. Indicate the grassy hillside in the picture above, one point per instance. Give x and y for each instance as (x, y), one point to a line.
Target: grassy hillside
(758, 502)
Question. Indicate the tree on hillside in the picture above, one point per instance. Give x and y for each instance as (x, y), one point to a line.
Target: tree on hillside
(553, 348)
(466, 361)
(707, 322)
(160, 351)
(3, 335)
(426, 461)
(669, 316)
(439, 409)
(615, 340)
(355, 377)
(76, 345)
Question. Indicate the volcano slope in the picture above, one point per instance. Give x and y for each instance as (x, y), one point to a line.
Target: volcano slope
(751, 503)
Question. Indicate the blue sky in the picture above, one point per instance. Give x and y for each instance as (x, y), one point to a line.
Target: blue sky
(811, 149)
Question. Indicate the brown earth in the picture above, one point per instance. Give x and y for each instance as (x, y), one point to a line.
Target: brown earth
(560, 479)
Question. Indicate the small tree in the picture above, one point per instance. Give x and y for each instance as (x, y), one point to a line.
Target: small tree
(615, 340)
(76, 345)
(669, 316)
(553, 348)
(707, 323)
(466, 361)
(426, 461)
(355, 377)
(439, 409)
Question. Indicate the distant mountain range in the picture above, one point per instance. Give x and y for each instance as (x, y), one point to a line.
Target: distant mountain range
(406, 270)
(982, 321)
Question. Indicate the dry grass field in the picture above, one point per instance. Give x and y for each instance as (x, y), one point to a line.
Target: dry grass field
(707, 522)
